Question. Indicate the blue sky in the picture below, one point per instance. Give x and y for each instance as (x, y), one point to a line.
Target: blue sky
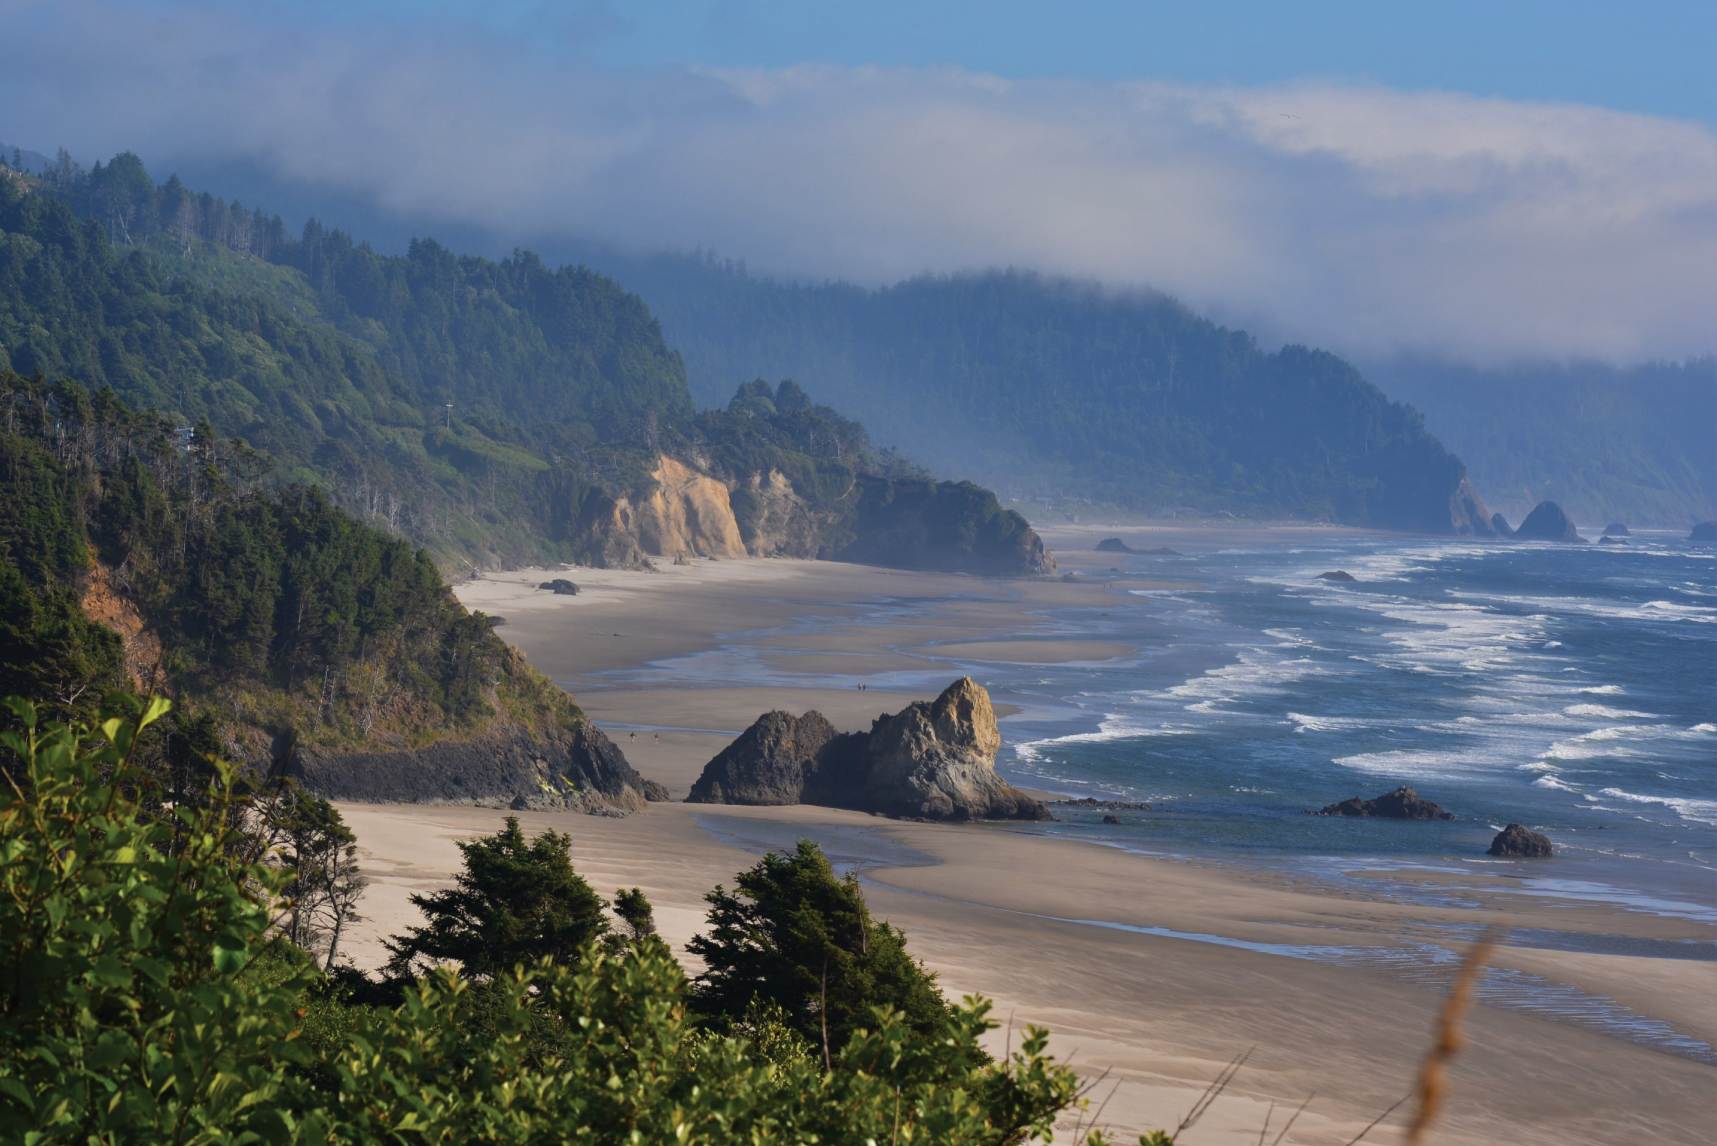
(1479, 181)
(1653, 56)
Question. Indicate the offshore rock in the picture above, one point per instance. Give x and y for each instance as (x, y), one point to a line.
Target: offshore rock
(577, 769)
(1499, 525)
(1607, 540)
(1517, 842)
(1705, 533)
(1401, 804)
(1616, 529)
(1336, 575)
(1547, 522)
(934, 760)
(1114, 545)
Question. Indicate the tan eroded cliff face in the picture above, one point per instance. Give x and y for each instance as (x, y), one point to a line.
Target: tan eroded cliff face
(688, 513)
(783, 526)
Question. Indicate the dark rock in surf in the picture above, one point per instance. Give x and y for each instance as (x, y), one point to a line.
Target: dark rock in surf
(1705, 533)
(1094, 802)
(934, 760)
(1616, 529)
(560, 586)
(1547, 522)
(1516, 842)
(1114, 545)
(1336, 575)
(1612, 541)
(1401, 804)
(1499, 525)
(1111, 818)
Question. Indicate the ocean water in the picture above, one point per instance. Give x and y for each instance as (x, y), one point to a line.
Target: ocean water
(1572, 689)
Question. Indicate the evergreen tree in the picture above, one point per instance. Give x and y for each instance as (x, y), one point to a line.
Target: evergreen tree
(795, 935)
(516, 902)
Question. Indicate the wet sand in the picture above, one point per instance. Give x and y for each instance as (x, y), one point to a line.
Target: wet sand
(1049, 927)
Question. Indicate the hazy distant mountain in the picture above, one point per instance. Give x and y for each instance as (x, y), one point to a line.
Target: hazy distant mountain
(492, 412)
(1044, 386)
(1637, 445)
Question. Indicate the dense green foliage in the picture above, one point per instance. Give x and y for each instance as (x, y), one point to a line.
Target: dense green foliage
(491, 412)
(1042, 386)
(1636, 445)
(277, 610)
(793, 934)
(141, 1002)
(516, 902)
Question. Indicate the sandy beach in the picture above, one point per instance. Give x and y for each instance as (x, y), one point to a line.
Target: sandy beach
(1152, 972)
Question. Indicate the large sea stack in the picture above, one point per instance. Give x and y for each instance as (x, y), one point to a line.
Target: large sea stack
(1499, 525)
(1705, 533)
(1547, 522)
(934, 760)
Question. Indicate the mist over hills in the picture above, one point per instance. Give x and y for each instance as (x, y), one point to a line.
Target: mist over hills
(1636, 444)
(493, 412)
(1612, 443)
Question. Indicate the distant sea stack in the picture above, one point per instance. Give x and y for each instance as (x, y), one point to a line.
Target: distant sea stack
(1705, 533)
(1336, 575)
(933, 761)
(1114, 545)
(1616, 529)
(1401, 804)
(1547, 522)
(1499, 525)
(1516, 842)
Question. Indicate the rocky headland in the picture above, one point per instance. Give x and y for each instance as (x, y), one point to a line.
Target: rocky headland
(509, 766)
(1705, 533)
(933, 760)
(1401, 804)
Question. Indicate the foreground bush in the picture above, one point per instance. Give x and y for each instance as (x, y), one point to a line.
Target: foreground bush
(126, 1016)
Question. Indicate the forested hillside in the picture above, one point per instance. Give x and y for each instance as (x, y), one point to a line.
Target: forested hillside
(1636, 445)
(493, 412)
(1042, 386)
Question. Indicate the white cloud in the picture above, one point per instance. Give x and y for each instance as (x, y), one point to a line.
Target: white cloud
(1362, 218)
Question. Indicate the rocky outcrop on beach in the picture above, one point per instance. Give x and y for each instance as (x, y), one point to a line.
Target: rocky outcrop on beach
(1517, 842)
(1114, 545)
(1705, 533)
(1547, 522)
(560, 587)
(576, 769)
(769, 764)
(1336, 575)
(1499, 525)
(934, 760)
(1401, 804)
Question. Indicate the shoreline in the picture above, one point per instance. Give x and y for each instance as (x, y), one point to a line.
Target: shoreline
(1156, 967)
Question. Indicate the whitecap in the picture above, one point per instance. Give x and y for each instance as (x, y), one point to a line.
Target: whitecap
(1604, 713)
(1604, 690)
(1699, 811)
(1550, 781)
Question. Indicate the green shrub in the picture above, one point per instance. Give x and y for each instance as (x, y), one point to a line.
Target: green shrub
(143, 1000)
